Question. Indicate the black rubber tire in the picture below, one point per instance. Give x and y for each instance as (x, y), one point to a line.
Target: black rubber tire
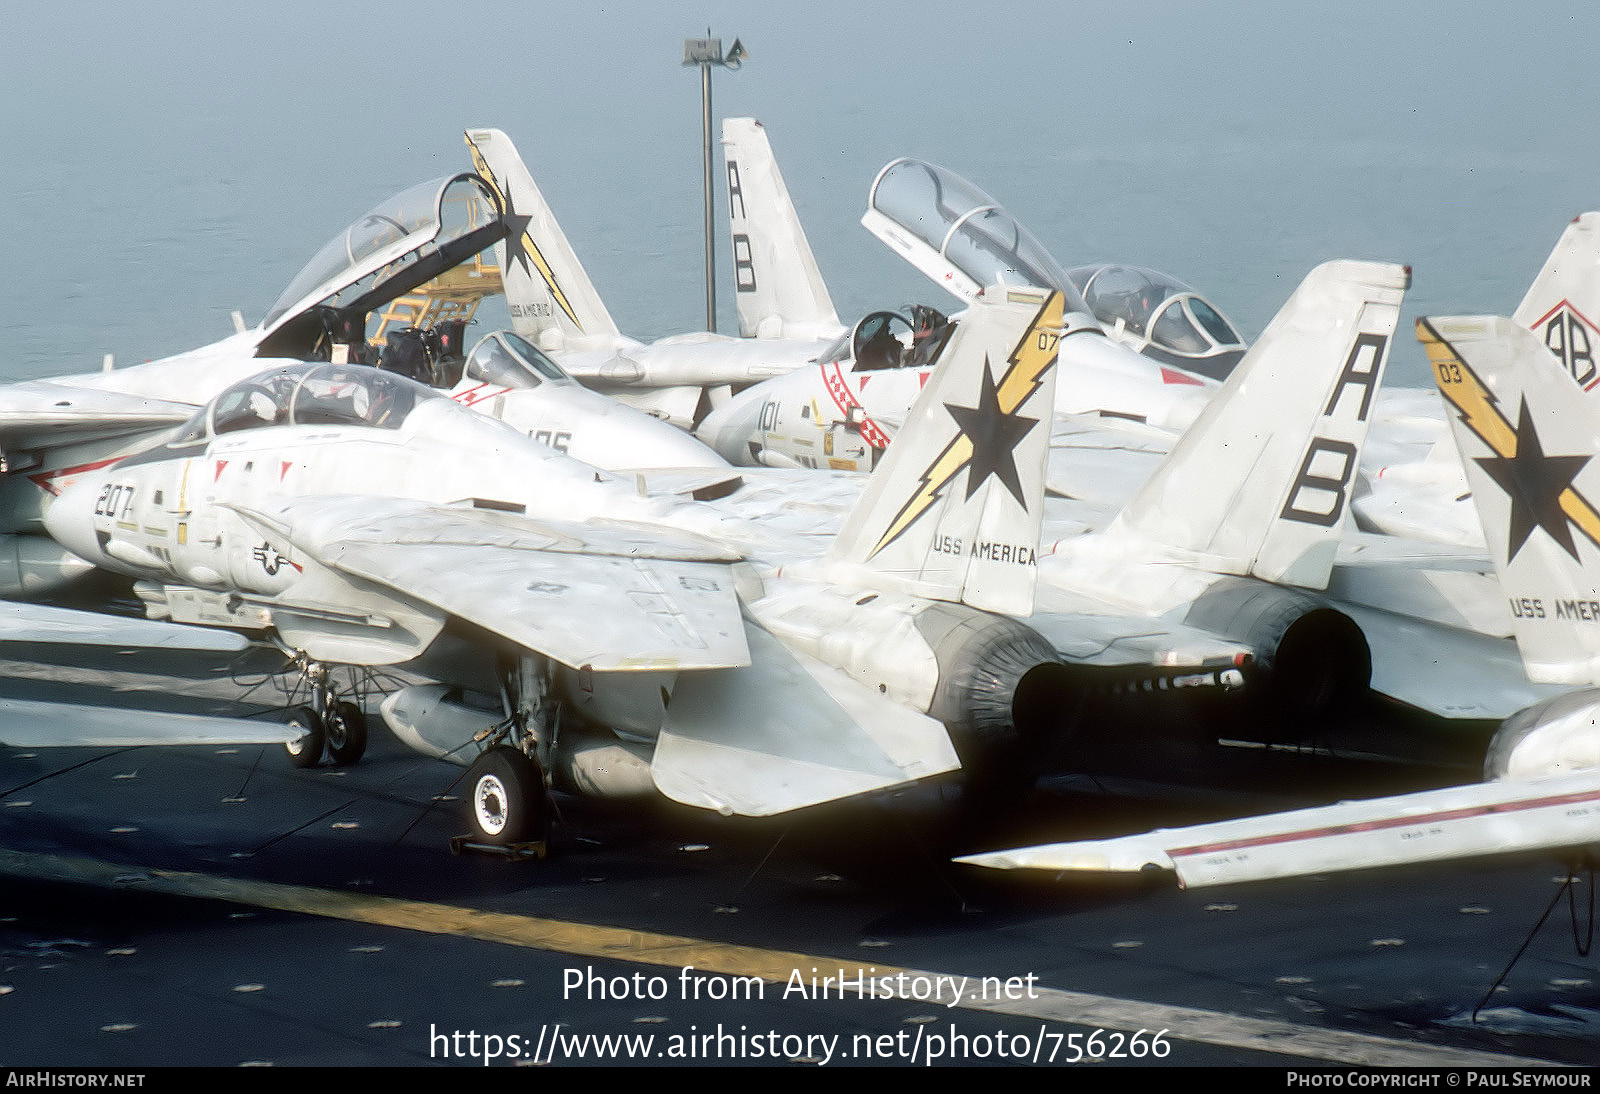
(506, 798)
(347, 733)
(306, 751)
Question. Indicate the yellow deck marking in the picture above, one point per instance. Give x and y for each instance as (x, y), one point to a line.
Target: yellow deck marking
(674, 951)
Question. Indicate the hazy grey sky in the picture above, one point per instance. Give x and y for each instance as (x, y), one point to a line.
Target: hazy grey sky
(167, 162)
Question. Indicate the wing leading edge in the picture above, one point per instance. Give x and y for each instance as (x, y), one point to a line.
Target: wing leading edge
(1456, 822)
(606, 597)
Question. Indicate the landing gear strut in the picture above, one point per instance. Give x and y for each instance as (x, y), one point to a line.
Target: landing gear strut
(330, 724)
(508, 796)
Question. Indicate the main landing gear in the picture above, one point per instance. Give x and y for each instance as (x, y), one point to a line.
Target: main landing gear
(331, 726)
(508, 796)
(507, 803)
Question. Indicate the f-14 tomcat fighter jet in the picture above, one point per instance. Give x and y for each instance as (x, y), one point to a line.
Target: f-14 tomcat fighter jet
(637, 643)
(1528, 448)
(53, 431)
(841, 409)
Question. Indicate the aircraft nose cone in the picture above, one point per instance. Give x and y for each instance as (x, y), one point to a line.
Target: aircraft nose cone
(672, 447)
(70, 521)
(729, 429)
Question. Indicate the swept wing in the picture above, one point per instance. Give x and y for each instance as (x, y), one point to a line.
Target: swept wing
(599, 595)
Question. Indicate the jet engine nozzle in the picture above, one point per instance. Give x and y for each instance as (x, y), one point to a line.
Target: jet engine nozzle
(1307, 659)
(1002, 687)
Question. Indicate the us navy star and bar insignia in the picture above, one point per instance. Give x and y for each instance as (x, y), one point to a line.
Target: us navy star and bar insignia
(1539, 485)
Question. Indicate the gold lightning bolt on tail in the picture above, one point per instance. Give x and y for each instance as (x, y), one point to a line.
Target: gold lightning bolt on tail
(529, 247)
(1581, 513)
(1465, 390)
(1032, 357)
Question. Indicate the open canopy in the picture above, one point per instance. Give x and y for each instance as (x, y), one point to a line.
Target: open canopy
(957, 234)
(964, 240)
(409, 239)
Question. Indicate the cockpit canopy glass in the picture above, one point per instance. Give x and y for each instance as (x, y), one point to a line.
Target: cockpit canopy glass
(397, 231)
(967, 227)
(1156, 308)
(309, 394)
(509, 360)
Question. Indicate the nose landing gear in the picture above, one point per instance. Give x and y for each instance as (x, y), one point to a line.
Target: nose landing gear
(332, 726)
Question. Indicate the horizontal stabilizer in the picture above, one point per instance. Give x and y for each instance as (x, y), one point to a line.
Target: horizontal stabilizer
(787, 732)
(1457, 822)
(28, 724)
(1446, 670)
(38, 623)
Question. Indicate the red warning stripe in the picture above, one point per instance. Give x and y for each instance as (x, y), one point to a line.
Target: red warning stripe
(46, 480)
(844, 399)
(1463, 813)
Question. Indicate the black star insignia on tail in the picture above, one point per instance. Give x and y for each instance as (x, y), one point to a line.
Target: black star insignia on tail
(994, 435)
(518, 225)
(1535, 483)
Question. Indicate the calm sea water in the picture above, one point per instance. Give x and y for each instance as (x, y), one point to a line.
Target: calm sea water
(169, 162)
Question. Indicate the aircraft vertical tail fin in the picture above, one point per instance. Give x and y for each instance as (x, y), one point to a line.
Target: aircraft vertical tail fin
(777, 286)
(553, 303)
(1260, 483)
(953, 510)
(1563, 303)
(1528, 450)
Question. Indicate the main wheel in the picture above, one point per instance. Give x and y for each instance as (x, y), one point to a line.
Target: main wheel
(347, 733)
(306, 750)
(507, 800)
